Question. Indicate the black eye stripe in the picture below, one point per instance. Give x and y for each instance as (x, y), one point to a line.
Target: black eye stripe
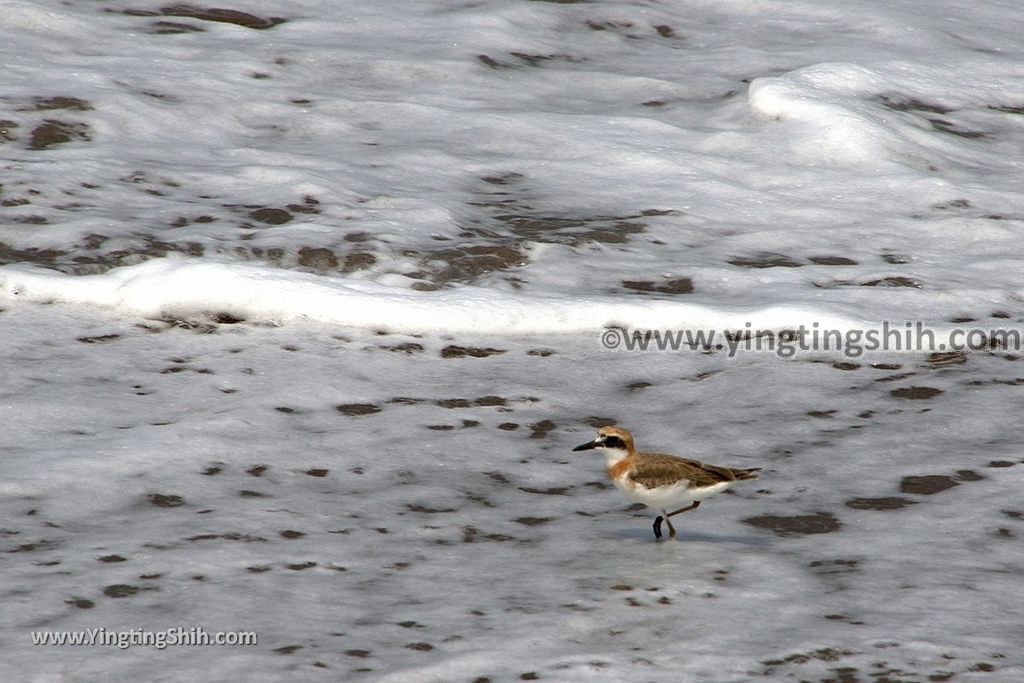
(613, 442)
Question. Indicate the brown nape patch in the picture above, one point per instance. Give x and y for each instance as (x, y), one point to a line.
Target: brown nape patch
(357, 409)
(886, 503)
(765, 259)
(215, 14)
(927, 485)
(678, 286)
(52, 132)
(818, 523)
(915, 393)
(452, 351)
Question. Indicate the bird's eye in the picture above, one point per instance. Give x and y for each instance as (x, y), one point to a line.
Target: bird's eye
(613, 442)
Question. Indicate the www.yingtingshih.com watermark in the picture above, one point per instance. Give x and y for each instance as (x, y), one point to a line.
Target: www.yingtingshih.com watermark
(171, 637)
(853, 343)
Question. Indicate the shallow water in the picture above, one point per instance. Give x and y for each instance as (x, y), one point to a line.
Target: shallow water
(303, 313)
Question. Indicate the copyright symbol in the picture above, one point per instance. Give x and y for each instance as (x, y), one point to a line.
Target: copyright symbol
(611, 339)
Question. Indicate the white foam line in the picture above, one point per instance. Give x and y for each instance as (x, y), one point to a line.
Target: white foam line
(182, 287)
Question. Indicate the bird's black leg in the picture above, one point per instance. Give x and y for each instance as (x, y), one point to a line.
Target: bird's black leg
(657, 527)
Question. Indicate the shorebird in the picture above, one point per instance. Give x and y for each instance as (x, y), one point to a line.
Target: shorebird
(659, 481)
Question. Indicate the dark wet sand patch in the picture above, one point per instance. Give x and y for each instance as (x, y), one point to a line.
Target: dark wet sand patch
(269, 215)
(317, 258)
(896, 281)
(423, 509)
(405, 347)
(317, 472)
(927, 485)
(765, 260)
(915, 393)
(508, 426)
(884, 503)
(597, 422)
(7, 130)
(80, 603)
(111, 558)
(169, 28)
(819, 523)
(533, 521)
(539, 430)
(405, 400)
(831, 567)
(357, 409)
(553, 491)
(453, 351)
(229, 536)
(120, 590)
(907, 103)
(99, 339)
(677, 286)
(832, 261)
(164, 500)
(453, 403)
(952, 128)
(946, 359)
(213, 14)
(52, 132)
(291, 534)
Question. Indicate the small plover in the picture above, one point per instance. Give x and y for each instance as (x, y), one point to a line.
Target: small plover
(661, 482)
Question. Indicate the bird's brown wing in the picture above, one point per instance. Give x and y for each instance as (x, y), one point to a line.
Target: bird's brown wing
(659, 469)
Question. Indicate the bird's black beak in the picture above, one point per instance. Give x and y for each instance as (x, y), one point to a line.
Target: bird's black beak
(586, 446)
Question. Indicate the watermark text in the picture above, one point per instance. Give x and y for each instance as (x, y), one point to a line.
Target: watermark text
(786, 343)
